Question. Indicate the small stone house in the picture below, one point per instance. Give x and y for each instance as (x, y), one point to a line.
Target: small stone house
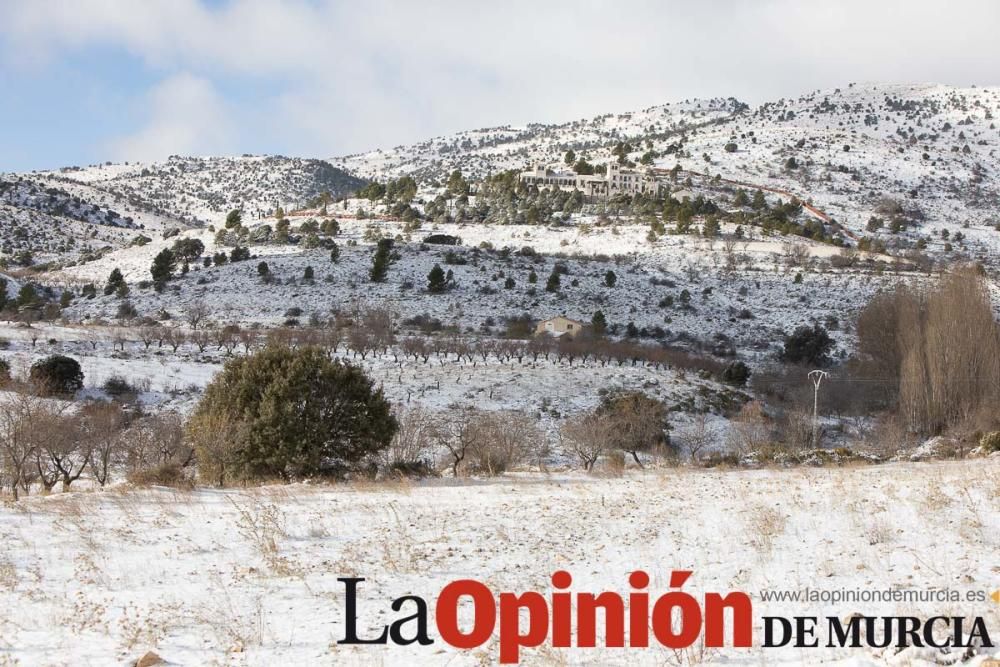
(557, 326)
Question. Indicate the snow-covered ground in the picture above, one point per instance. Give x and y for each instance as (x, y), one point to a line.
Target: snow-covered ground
(249, 576)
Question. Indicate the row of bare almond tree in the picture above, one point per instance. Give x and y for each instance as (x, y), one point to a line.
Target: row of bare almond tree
(45, 442)
(376, 337)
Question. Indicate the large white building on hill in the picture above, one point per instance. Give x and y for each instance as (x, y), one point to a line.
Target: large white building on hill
(615, 181)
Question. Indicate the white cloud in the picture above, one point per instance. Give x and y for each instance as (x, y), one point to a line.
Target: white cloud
(347, 76)
(185, 116)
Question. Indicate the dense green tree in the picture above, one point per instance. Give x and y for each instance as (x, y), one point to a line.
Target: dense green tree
(553, 282)
(808, 345)
(187, 250)
(457, 186)
(115, 281)
(610, 279)
(381, 260)
(289, 414)
(27, 296)
(56, 374)
(234, 219)
(436, 281)
(164, 265)
(599, 324)
(736, 373)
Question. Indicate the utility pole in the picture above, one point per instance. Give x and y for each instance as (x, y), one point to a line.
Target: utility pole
(817, 377)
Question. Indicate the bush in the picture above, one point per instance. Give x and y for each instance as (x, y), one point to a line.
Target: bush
(290, 414)
(990, 442)
(170, 473)
(117, 386)
(57, 374)
(737, 373)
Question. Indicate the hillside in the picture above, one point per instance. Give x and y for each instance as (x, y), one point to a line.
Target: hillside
(922, 156)
(198, 190)
(478, 153)
(715, 275)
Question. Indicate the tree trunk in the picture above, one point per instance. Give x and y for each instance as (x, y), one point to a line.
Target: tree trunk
(635, 456)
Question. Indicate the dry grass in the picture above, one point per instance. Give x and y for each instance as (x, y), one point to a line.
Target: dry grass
(234, 626)
(262, 524)
(763, 525)
(266, 560)
(879, 531)
(8, 573)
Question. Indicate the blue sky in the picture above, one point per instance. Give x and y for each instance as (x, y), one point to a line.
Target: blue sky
(84, 81)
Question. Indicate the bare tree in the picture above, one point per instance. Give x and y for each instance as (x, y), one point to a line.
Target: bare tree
(103, 427)
(749, 430)
(62, 453)
(939, 347)
(501, 441)
(228, 337)
(119, 337)
(19, 415)
(698, 435)
(457, 437)
(156, 440)
(174, 338)
(639, 423)
(149, 335)
(196, 312)
(202, 339)
(248, 339)
(411, 447)
(586, 437)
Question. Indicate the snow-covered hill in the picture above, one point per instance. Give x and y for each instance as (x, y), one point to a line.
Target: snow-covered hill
(923, 155)
(478, 153)
(40, 222)
(914, 167)
(203, 190)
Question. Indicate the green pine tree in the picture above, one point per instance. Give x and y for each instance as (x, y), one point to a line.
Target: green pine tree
(436, 281)
(599, 323)
(380, 263)
(115, 280)
(552, 284)
(164, 265)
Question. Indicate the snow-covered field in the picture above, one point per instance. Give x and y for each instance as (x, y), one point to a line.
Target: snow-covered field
(249, 576)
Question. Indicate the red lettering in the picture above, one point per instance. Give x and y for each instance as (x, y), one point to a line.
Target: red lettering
(446, 613)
